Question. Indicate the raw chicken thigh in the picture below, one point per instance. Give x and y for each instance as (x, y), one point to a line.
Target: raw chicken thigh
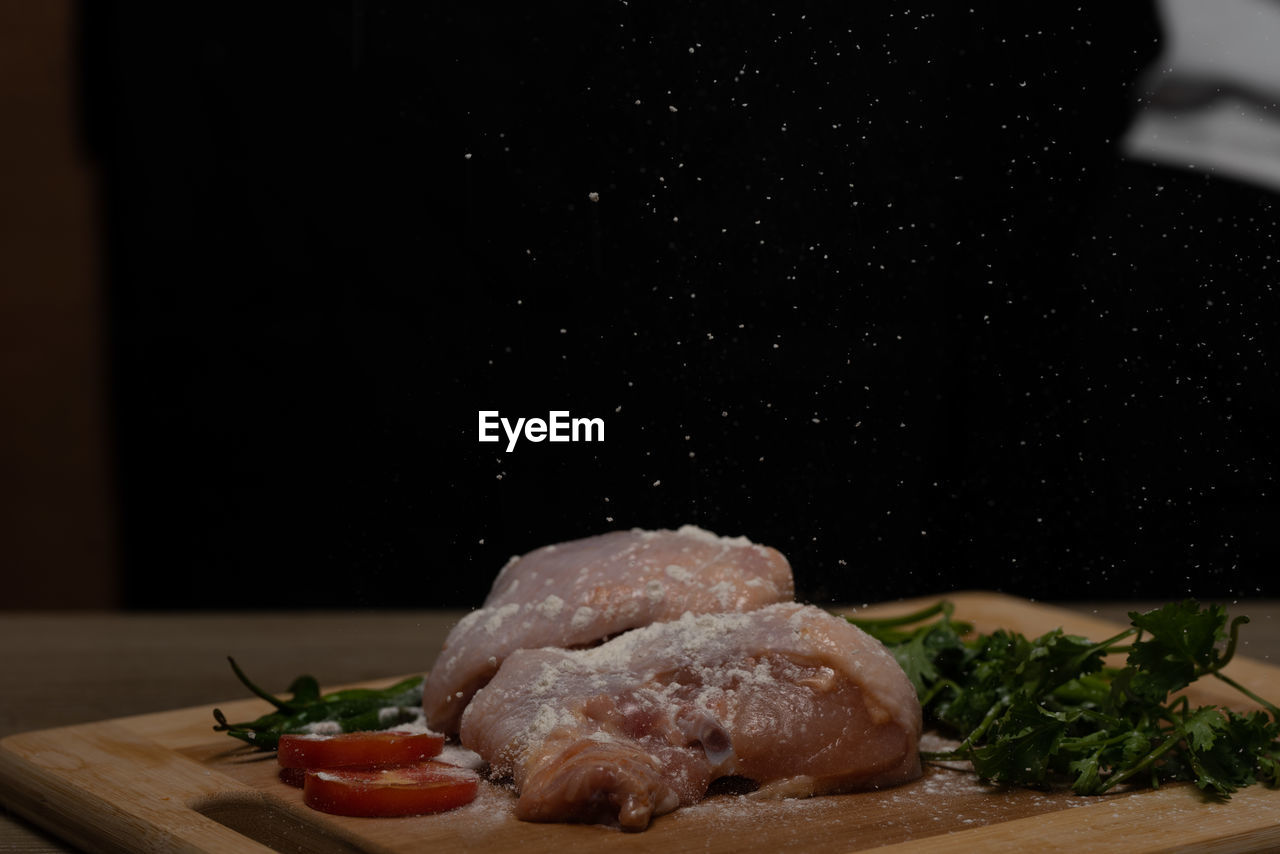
(580, 592)
(789, 696)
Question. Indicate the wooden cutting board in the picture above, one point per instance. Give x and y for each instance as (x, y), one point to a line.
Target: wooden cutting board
(166, 782)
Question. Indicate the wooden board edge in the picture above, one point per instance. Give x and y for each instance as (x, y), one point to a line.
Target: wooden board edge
(40, 770)
(1187, 821)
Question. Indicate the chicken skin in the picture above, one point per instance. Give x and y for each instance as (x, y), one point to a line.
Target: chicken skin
(789, 696)
(577, 593)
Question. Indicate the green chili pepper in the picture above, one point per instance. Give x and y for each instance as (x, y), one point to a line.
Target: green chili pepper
(352, 710)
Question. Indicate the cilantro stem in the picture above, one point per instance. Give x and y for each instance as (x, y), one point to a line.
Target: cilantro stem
(981, 729)
(1108, 644)
(942, 607)
(1230, 651)
(1270, 707)
(1146, 761)
(936, 688)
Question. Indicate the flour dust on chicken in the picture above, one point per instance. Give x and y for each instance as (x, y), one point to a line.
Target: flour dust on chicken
(612, 679)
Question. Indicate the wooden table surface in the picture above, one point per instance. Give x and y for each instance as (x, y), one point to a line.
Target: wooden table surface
(60, 669)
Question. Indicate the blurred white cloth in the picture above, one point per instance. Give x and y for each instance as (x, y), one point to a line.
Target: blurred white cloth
(1212, 97)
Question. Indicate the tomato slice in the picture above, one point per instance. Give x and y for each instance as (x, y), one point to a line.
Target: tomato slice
(384, 747)
(409, 790)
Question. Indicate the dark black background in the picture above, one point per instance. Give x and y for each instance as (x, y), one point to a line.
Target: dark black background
(879, 291)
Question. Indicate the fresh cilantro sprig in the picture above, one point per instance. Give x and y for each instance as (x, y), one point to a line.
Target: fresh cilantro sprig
(1036, 711)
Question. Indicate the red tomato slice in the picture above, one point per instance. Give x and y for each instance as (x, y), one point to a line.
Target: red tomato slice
(410, 790)
(385, 747)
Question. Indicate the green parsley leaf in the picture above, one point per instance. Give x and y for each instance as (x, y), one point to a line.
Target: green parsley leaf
(1039, 711)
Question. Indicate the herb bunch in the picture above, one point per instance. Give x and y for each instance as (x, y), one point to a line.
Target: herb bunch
(351, 710)
(1038, 711)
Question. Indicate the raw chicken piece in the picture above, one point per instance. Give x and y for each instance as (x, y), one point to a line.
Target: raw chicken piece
(580, 592)
(789, 696)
